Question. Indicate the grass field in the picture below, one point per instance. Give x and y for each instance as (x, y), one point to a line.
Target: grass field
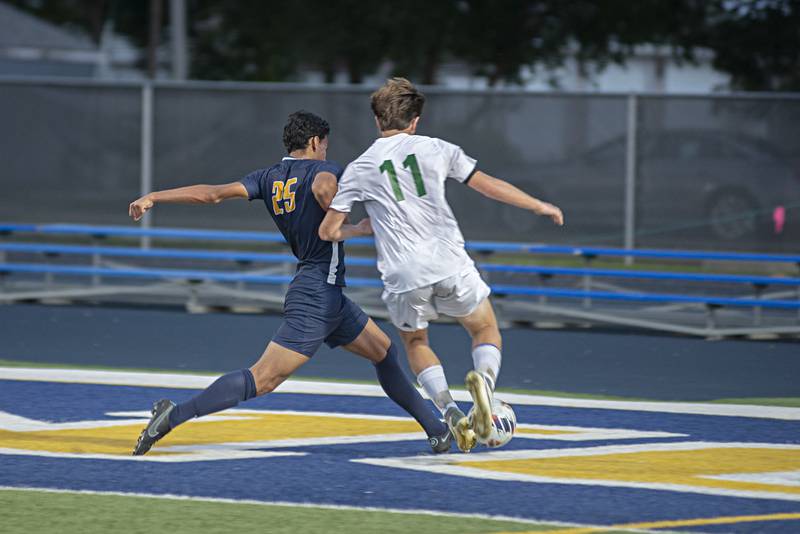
(337, 458)
(46, 512)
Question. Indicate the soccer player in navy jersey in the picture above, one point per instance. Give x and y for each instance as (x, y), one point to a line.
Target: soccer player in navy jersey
(297, 192)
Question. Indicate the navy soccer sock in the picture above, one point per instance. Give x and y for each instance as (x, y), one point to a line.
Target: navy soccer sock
(225, 392)
(395, 383)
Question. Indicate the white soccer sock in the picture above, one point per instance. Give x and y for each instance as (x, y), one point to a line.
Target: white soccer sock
(486, 358)
(434, 383)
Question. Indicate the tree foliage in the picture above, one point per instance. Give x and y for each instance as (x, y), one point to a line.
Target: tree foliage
(756, 41)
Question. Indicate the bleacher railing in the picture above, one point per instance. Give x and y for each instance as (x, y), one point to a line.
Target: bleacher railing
(99, 268)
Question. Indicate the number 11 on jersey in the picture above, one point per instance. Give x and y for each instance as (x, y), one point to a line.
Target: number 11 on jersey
(409, 163)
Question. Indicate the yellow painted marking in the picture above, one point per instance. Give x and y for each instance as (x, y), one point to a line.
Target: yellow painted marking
(254, 426)
(665, 467)
(676, 523)
(714, 521)
(544, 431)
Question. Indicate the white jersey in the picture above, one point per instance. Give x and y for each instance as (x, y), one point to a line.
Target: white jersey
(401, 180)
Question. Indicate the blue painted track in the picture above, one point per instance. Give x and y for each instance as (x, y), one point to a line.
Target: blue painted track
(327, 474)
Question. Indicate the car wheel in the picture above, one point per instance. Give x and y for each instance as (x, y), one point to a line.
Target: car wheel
(733, 215)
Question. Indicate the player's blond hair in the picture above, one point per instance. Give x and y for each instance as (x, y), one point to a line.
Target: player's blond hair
(396, 103)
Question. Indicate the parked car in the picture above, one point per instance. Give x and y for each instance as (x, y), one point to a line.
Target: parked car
(708, 184)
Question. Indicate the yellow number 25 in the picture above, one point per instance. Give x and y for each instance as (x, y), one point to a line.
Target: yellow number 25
(282, 192)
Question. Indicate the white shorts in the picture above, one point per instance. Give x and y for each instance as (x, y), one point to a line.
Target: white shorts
(457, 296)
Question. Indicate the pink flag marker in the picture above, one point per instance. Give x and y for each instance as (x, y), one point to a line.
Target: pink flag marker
(779, 218)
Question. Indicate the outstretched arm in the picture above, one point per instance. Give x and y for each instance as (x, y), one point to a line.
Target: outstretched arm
(333, 227)
(193, 194)
(503, 191)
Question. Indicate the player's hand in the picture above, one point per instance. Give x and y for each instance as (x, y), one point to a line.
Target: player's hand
(365, 226)
(552, 211)
(139, 207)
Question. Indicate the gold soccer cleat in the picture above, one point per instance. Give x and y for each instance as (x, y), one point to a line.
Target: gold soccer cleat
(482, 412)
(459, 426)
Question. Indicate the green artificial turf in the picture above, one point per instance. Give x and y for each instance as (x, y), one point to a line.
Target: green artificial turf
(32, 512)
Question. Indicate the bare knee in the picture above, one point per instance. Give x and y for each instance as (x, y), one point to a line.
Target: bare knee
(420, 354)
(372, 343)
(267, 382)
(266, 377)
(415, 340)
(487, 334)
(276, 364)
(482, 326)
(377, 345)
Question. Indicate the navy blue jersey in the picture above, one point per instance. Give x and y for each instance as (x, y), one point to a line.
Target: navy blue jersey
(285, 188)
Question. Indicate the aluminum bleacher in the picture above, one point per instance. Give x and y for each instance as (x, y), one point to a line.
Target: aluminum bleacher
(211, 272)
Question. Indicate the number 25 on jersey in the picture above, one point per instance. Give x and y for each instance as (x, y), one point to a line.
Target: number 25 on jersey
(409, 163)
(282, 195)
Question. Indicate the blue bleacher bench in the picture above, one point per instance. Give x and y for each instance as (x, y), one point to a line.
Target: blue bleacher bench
(247, 257)
(474, 246)
(225, 276)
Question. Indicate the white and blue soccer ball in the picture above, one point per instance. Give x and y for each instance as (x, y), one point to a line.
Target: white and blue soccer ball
(504, 423)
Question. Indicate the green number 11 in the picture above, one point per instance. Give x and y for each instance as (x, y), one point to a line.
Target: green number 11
(409, 163)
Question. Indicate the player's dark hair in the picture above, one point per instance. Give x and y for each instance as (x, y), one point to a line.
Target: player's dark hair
(302, 126)
(396, 104)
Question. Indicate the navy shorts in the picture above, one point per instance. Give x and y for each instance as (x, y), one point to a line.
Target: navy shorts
(315, 312)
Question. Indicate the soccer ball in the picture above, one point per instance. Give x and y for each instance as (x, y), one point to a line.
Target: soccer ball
(504, 424)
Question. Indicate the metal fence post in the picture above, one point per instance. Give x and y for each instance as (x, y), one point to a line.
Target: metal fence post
(146, 166)
(630, 176)
(177, 22)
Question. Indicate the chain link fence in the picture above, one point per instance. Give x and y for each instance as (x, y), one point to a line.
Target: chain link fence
(700, 172)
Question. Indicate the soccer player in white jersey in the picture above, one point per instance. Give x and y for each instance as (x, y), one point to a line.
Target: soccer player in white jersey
(424, 267)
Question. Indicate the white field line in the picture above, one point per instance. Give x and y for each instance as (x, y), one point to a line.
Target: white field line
(297, 442)
(482, 474)
(611, 434)
(528, 454)
(580, 433)
(17, 423)
(447, 464)
(249, 414)
(781, 478)
(172, 380)
(188, 453)
(340, 507)
(195, 454)
(255, 449)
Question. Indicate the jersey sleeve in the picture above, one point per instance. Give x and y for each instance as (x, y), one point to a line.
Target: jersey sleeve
(460, 167)
(349, 192)
(254, 183)
(331, 167)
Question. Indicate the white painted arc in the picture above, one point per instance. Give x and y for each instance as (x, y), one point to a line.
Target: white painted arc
(446, 464)
(244, 413)
(198, 456)
(16, 423)
(781, 478)
(483, 474)
(174, 380)
(524, 454)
